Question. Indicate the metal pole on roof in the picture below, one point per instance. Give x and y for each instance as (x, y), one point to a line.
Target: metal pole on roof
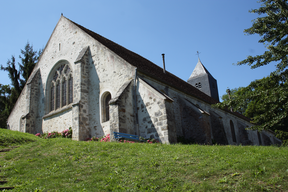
(163, 56)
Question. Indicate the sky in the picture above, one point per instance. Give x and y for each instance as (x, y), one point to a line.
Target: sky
(177, 28)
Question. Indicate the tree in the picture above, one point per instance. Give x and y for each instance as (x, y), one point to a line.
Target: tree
(29, 60)
(5, 92)
(266, 99)
(18, 77)
(231, 94)
(14, 75)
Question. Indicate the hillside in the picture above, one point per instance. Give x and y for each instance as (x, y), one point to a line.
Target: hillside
(64, 165)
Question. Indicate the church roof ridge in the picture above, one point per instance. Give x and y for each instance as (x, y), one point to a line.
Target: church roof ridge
(148, 68)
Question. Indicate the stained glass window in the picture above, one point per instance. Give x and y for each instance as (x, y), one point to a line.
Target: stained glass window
(64, 92)
(57, 95)
(70, 91)
(52, 98)
(67, 69)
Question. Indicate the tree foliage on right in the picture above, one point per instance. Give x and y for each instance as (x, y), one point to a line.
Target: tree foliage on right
(265, 101)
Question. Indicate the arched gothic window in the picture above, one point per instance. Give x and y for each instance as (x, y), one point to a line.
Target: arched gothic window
(232, 131)
(61, 89)
(105, 107)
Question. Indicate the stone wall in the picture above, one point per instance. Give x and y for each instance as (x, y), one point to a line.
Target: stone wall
(218, 132)
(152, 113)
(33, 99)
(58, 121)
(107, 72)
(80, 112)
(126, 112)
(20, 110)
(191, 123)
(121, 110)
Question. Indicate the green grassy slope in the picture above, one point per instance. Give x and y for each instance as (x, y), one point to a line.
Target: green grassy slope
(64, 165)
(11, 138)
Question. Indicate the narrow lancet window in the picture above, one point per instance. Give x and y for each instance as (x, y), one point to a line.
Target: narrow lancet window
(232, 131)
(70, 91)
(57, 95)
(64, 92)
(52, 98)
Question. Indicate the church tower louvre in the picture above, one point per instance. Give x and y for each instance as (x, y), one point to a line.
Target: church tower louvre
(204, 81)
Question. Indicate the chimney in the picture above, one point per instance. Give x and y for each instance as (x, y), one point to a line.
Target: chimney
(163, 56)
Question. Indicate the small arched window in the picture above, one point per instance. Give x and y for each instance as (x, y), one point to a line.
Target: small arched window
(232, 131)
(105, 107)
(61, 89)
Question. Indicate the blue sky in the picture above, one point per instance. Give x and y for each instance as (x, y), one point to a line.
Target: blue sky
(148, 27)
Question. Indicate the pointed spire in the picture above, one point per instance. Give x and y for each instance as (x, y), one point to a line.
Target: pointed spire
(198, 70)
(203, 80)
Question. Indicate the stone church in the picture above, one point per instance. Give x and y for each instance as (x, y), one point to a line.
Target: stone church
(95, 86)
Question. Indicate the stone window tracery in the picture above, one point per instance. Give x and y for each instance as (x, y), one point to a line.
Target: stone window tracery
(61, 89)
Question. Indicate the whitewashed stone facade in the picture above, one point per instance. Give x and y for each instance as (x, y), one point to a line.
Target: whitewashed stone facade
(114, 89)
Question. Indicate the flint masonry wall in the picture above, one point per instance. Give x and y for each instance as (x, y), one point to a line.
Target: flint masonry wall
(121, 110)
(220, 132)
(20, 110)
(152, 113)
(107, 72)
(126, 112)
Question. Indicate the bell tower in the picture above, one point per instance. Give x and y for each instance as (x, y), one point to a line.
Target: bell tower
(204, 81)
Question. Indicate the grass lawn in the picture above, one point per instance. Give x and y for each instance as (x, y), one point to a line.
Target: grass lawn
(64, 165)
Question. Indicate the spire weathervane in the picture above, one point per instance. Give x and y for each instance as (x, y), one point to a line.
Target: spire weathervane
(198, 53)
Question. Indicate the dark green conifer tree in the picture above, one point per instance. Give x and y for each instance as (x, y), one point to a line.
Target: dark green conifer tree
(18, 77)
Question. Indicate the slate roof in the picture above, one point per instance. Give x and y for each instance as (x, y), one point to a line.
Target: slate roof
(148, 68)
(204, 71)
(152, 70)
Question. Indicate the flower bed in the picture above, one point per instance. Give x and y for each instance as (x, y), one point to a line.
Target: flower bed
(66, 134)
(106, 138)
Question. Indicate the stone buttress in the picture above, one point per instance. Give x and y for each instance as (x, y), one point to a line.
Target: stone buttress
(80, 109)
(121, 110)
(155, 113)
(27, 121)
